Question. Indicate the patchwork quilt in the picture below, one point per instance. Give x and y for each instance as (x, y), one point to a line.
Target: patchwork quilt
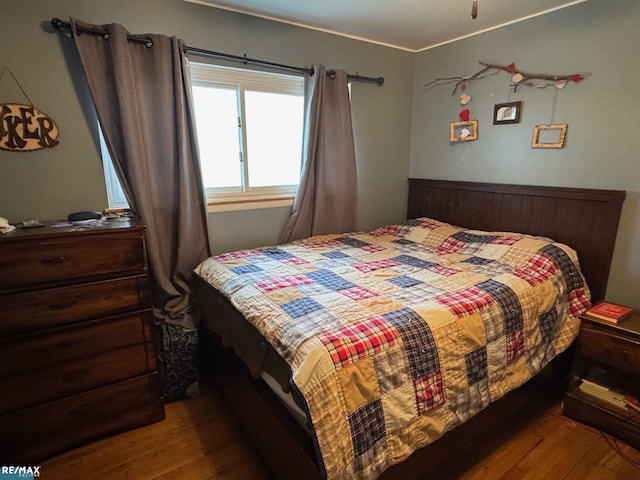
(398, 335)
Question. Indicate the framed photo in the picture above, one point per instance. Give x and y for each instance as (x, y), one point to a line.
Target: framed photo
(505, 113)
(463, 131)
(549, 136)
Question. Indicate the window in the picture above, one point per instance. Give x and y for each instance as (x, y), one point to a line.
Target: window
(249, 128)
(115, 195)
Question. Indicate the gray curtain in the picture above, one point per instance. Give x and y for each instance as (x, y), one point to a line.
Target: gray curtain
(327, 194)
(142, 99)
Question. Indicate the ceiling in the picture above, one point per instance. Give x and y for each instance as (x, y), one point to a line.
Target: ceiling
(412, 25)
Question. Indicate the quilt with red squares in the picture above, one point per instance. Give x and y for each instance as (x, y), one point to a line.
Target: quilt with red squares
(398, 335)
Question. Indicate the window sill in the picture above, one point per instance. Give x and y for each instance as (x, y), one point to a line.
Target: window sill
(249, 204)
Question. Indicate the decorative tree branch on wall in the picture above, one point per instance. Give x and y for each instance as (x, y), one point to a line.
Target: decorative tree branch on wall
(518, 77)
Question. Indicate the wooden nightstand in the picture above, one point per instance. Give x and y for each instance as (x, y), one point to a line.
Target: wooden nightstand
(608, 354)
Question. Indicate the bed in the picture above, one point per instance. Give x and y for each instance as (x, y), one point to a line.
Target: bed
(356, 357)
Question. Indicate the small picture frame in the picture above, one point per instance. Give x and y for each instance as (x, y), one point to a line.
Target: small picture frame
(463, 131)
(549, 136)
(506, 113)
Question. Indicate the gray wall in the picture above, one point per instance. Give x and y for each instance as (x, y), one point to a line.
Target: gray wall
(395, 123)
(49, 184)
(599, 38)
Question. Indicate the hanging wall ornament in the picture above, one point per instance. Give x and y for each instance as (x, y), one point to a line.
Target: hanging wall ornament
(463, 131)
(466, 129)
(509, 112)
(518, 77)
(24, 128)
(552, 135)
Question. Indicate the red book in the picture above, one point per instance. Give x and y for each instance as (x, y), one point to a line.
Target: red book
(609, 312)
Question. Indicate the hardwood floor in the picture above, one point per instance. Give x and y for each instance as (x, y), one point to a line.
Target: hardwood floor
(546, 445)
(198, 441)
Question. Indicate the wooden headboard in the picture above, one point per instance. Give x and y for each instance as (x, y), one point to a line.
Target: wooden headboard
(584, 219)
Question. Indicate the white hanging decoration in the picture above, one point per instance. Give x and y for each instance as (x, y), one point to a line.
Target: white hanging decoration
(465, 132)
(464, 99)
(561, 84)
(517, 78)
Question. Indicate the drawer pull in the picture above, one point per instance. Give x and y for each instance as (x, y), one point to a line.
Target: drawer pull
(62, 305)
(54, 260)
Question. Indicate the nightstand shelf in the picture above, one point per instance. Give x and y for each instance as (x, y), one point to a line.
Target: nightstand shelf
(608, 354)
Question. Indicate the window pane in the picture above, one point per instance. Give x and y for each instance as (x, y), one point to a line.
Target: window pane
(115, 195)
(216, 112)
(274, 138)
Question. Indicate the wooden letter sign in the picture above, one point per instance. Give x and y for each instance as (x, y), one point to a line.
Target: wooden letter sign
(24, 128)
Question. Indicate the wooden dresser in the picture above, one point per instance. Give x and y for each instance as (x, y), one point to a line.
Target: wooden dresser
(77, 350)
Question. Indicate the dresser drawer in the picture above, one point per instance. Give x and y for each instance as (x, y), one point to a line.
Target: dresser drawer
(33, 434)
(21, 354)
(58, 306)
(55, 258)
(610, 348)
(57, 381)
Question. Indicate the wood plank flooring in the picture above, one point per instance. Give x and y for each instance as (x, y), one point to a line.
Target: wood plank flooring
(199, 441)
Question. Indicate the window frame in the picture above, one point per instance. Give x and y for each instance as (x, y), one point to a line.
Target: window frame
(244, 197)
(221, 199)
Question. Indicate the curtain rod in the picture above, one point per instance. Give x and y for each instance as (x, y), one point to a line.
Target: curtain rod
(61, 25)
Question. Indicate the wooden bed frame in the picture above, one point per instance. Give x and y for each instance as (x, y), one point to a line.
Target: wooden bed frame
(585, 219)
